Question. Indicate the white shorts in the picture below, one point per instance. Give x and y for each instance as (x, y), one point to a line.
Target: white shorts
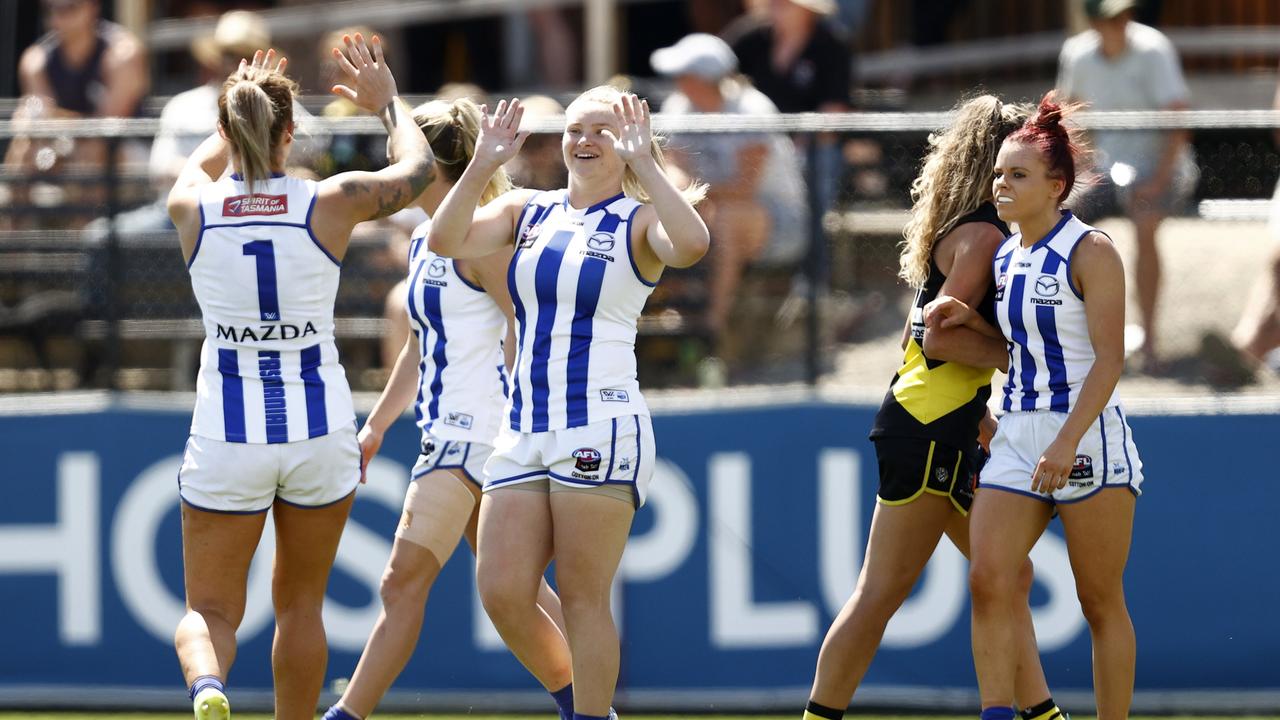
(246, 478)
(1105, 458)
(619, 451)
(437, 454)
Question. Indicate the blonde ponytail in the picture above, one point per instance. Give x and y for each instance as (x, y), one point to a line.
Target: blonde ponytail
(451, 129)
(255, 109)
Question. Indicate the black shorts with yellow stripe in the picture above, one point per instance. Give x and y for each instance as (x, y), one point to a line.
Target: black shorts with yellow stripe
(911, 467)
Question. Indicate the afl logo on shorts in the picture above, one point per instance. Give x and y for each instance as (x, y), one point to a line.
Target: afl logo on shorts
(601, 242)
(588, 459)
(436, 269)
(1083, 467)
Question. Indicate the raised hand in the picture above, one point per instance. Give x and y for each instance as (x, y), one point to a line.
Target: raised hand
(368, 81)
(262, 61)
(500, 136)
(634, 135)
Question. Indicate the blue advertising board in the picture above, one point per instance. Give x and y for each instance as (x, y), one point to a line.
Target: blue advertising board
(750, 543)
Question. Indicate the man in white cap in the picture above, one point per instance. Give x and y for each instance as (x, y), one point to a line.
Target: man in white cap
(190, 117)
(1120, 64)
(758, 209)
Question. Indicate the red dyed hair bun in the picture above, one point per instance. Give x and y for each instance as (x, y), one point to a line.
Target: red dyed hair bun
(1062, 146)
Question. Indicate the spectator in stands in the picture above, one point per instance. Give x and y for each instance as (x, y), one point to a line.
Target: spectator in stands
(798, 55)
(795, 54)
(757, 211)
(189, 117)
(1120, 64)
(1236, 361)
(84, 66)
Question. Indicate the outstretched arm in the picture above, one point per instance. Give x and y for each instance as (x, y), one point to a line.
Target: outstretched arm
(458, 229)
(353, 197)
(674, 232)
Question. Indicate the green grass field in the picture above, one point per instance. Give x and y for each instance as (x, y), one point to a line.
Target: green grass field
(547, 716)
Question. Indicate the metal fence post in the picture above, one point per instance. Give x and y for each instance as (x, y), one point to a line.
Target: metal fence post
(813, 259)
(114, 266)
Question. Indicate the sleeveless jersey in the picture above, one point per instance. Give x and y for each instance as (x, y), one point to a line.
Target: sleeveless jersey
(80, 89)
(462, 379)
(269, 369)
(1042, 314)
(578, 295)
(936, 399)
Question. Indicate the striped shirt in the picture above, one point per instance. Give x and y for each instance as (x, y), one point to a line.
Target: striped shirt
(1042, 314)
(578, 295)
(269, 370)
(462, 379)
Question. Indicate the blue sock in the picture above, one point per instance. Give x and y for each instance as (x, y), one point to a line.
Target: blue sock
(336, 713)
(998, 713)
(580, 716)
(564, 701)
(205, 681)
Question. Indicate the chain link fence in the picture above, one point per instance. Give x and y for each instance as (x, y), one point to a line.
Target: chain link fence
(94, 293)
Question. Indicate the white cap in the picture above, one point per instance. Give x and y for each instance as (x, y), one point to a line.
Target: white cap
(706, 56)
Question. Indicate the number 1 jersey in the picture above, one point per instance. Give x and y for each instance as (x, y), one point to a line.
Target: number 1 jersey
(269, 370)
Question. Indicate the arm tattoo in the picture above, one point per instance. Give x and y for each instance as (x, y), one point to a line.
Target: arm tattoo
(389, 197)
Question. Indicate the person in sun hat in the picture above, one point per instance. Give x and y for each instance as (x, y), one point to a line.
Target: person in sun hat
(189, 117)
(757, 211)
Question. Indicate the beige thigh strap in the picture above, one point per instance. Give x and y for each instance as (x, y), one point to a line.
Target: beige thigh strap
(436, 510)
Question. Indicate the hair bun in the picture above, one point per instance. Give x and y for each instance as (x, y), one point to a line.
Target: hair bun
(1048, 115)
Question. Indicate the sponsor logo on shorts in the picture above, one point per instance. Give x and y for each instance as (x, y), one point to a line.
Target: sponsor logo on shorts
(588, 460)
(583, 476)
(241, 205)
(1082, 469)
(614, 396)
(940, 473)
(459, 419)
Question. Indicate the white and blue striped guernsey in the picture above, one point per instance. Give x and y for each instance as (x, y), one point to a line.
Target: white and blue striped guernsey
(578, 295)
(1042, 314)
(462, 378)
(269, 370)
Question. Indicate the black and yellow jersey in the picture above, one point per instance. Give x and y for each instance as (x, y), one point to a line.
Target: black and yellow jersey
(934, 399)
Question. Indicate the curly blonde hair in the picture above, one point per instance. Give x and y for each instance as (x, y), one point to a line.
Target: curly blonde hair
(955, 178)
(451, 129)
(609, 95)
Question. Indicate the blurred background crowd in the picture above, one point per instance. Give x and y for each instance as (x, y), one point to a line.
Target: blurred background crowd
(801, 282)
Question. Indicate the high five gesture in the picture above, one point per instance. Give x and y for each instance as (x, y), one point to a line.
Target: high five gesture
(500, 135)
(634, 134)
